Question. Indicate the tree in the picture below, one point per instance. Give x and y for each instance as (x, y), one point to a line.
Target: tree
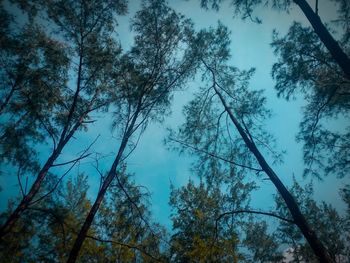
(124, 218)
(69, 76)
(47, 230)
(65, 63)
(198, 236)
(333, 228)
(148, 74)
(59, 216)
(313, 60)
(264, 247)
(49, 225)
(228, 89)
(245, 8)
(214, 222)
(305, 67)
(30, 62)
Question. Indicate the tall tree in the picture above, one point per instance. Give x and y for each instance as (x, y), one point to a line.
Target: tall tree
(228, 89)
(72, 73)
(30, 62)
(149, 73)
(333, 228)
(48, 229)
(311, 59)
(305, 67)
(245, 8)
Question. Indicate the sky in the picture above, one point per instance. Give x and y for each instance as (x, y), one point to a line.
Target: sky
(155, 167)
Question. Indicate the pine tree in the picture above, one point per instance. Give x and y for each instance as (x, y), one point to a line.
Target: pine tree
(227, 95)
(148, 75)
(65, 81)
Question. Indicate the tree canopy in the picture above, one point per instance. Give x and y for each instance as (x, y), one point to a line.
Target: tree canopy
(68, 77)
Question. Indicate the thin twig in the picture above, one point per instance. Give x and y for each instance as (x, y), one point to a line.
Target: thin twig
(61, 178)
(249, 212)
(72, 161)
(255, 212)
(19, 181)
(130, 246)
(215, 156)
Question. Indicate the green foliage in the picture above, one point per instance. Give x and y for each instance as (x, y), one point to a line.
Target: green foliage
(343, 20)
(263, 246)
(245, 8)
(58, 71)
(198, 236)
(305, 67)
(157, 64)
(33, 69)
(18, 245)
(47, 231)
(208, 131)
(52, 82)
(124, 218)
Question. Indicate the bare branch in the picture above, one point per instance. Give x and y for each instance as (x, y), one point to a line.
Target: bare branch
(138, 210)
(134, 146)
(215, 156)
(130, 246)
(249, 212)
(72, 161)
(55, 186)
(254, 212)
(19, 181)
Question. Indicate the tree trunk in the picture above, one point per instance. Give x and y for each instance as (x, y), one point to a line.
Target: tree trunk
(316, 245)
(333, 47)
(25, 202)
(74, 253)
(64, 138)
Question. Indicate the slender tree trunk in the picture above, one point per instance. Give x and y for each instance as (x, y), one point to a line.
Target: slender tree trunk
(333, 47)
(90, 217)
(74, 253)
(25, 202)
(316, 245)
(64, 138)
(27, 199)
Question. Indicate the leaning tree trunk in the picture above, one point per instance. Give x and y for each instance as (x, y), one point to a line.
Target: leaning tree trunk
(27, 199)
(316, 245)
(333, 47)
(66, 135)
(74, 253)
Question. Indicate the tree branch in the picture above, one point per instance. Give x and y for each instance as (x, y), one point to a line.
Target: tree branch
(215, 156)
(72, 161)
(61, 178)
(130, 246)
(254, 212)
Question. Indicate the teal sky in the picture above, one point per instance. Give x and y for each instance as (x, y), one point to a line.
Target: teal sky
(154, 166)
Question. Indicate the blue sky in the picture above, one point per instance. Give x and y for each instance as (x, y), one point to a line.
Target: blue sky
(154, 166)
